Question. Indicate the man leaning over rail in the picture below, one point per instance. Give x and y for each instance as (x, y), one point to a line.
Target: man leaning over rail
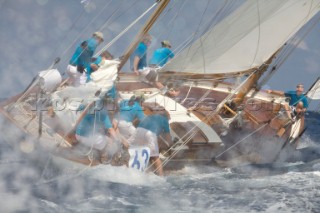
(298, 102)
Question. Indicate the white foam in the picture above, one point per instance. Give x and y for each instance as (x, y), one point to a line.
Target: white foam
(124, 175)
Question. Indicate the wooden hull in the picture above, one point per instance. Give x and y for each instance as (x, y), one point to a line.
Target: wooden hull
(262, 134)
(253, 138)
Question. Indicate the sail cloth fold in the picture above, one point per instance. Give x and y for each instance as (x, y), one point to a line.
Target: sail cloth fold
(105, 76)
(246, 38)
(67, 101)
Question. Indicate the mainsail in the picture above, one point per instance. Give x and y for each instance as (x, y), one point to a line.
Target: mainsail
(246, 38)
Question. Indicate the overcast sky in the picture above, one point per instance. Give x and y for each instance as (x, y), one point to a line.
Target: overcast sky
(34, 32)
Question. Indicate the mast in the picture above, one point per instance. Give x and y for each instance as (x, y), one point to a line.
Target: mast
(252, 81)
(162, 5)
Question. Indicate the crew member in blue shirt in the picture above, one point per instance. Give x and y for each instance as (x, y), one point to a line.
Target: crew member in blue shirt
(138, 64)
(138, 60)
(129, 111)
(92, 129)
(147, 134)
(161, 55)
(298, 101)
(81, 58)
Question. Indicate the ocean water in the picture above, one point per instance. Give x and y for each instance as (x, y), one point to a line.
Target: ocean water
(39, 182)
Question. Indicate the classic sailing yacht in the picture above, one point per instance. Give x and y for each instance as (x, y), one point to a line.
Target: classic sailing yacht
(213, 119)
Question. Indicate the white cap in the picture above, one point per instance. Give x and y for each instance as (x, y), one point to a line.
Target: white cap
(99, 35)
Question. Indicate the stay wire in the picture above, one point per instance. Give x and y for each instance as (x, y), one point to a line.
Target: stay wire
(173, 20)
(125, 30)
(224, 10)
(65, 35)
(84, 29)
(108, 18)
(196, 32)
(259, 34)
(288, 50)
(194, 131)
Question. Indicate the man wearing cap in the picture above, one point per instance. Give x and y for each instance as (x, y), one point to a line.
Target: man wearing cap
(129, 111)
(80, 59)
(297, 100)
(161, 55)
(138, 64)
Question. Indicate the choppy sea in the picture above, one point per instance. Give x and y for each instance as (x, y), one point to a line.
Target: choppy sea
(43, 183)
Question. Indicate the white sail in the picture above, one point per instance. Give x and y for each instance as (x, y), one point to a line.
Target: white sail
(105, 76)
(66, 102)
(246, 38)
(314, 92)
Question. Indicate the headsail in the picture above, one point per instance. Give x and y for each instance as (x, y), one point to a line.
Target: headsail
(246, 38)
(314, 91)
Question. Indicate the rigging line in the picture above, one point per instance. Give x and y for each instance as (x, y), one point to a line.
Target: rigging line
(185, 137)
(72, 26)
(126, 10)
(281, 59)
(189, 79)
(223, 12)
(192, 37)
(187, 94)
(84, 29)
(216, 16)
(300, 39)
(173, 20)
(244, 138)
(259, 34)
(196, 32)
(202, 98)
(296, 36)
(167, 160)
(168, 9)
(109, 17)
(184, 142)
(180, 47)
(188, 139)
(162, 17)
(228, 98)
(306, 31)
(125, 30)
(203, 57)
